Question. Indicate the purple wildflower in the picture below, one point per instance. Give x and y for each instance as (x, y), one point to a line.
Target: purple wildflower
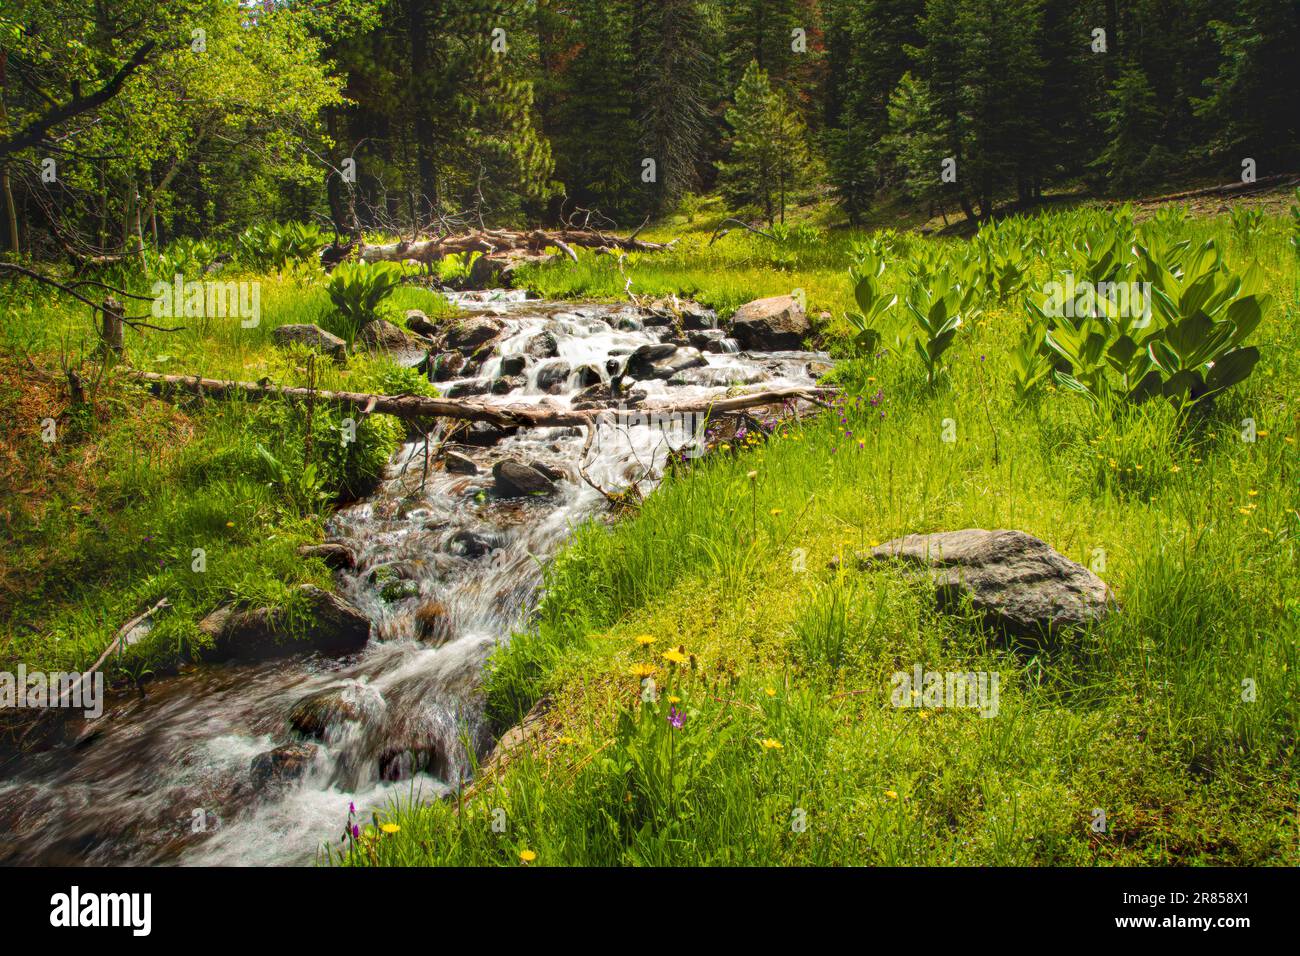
(676, 718)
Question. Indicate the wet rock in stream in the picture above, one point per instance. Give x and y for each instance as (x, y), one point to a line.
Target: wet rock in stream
(331, 625)
(468, 335)
(315, 714)
(508, 383)
(552, 376)
(512, 365)
(282, 766)
(514, 479)
(335, 555)
(433, 623)
(458, 464)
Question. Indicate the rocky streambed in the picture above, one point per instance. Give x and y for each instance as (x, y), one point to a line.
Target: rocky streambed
(254, 758)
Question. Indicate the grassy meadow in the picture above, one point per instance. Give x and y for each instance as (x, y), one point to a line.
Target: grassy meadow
(769, 737)
(1166, 736)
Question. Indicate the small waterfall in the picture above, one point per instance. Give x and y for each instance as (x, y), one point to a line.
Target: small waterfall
(446, 570)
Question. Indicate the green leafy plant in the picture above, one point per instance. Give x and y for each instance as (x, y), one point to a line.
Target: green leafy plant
(1247, 224)
(938, 309)
(357, 290)
(872, 302)
(275, 246)
(185, 257)
(1188, 347)
(305, 488)
(1029, 361)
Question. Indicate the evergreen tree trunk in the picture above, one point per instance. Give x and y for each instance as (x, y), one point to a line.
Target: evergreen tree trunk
(11, 211)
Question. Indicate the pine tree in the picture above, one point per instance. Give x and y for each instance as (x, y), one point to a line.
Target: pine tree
(917, 139)
(590, 115)
(768, 152)
(1252, 96)
(673, 89)
(867, 43)
(1133, 156)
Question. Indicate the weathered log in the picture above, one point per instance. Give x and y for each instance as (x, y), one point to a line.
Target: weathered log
(491, 241)
(503, 415)
(1229, 189)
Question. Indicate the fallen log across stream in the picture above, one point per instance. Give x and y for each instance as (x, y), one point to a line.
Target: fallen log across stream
(501, 414)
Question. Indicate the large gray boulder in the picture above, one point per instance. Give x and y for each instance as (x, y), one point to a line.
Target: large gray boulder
(333, 626)
(1015, 581)
(313, 337)
(770, 325)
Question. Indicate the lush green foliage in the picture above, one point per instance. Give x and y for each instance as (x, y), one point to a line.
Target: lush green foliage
(104, 520)
(357, 291)
(768, 158)
(783, 699)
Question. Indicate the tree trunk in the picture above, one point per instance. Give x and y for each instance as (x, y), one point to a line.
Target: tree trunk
(11, 211)
(114, 329)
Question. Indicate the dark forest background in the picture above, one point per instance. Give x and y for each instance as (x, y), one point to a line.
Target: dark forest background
(399, 114)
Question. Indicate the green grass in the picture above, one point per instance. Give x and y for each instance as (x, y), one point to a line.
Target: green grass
(105, 520)
(1144, 719)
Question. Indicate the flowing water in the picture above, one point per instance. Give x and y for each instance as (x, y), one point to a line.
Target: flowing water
(445, 569)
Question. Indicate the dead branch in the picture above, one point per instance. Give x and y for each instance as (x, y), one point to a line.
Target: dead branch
(720, 232)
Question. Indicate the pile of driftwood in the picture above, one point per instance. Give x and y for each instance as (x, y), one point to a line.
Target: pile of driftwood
(505, 241)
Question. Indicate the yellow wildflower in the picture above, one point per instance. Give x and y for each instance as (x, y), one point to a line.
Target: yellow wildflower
(891, 794)
(527, 856)
(645, 640)
(770, 743)
(389, 827)
(643, 670)
(675, 656)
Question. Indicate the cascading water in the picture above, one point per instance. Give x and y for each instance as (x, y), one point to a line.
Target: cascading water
(195, 770)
